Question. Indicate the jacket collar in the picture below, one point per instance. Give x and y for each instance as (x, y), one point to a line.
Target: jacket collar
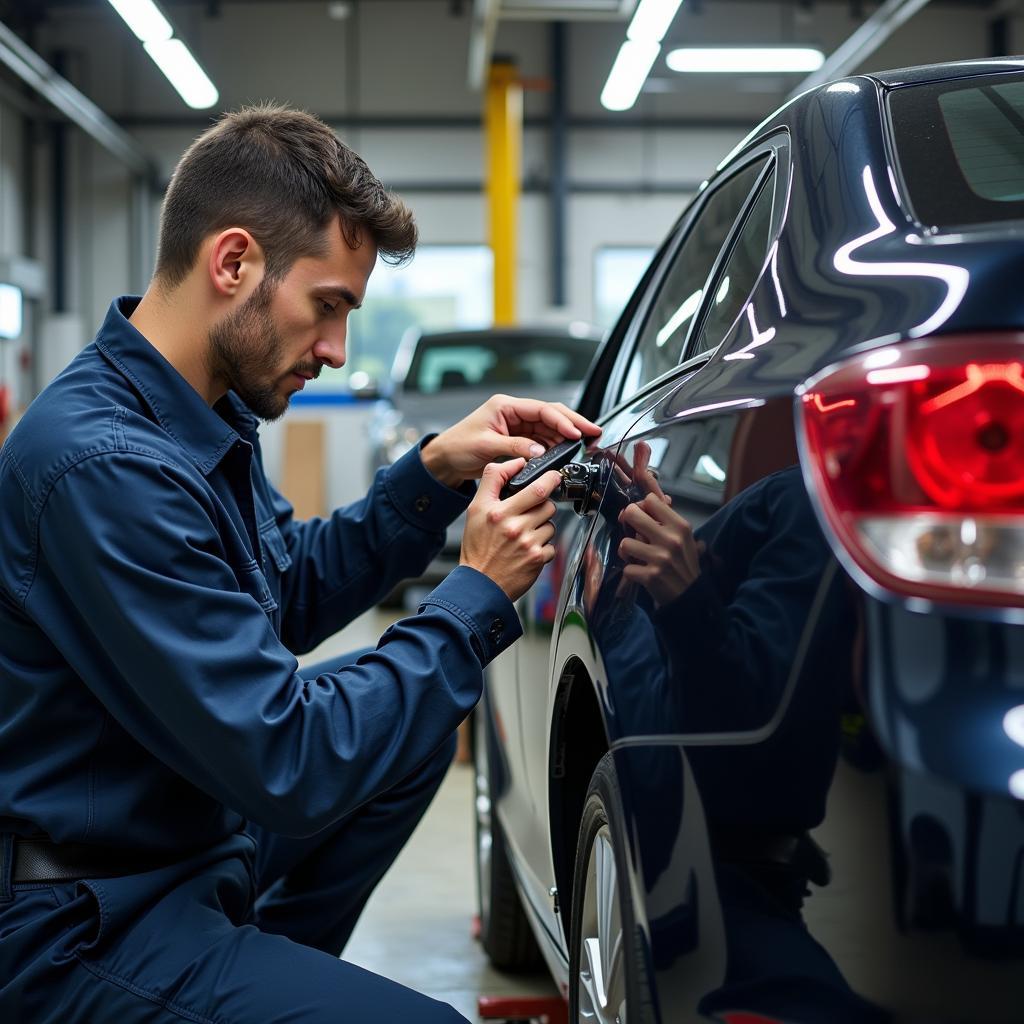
(205, 434)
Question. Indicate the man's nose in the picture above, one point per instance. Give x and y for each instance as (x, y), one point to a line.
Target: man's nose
(330, 349)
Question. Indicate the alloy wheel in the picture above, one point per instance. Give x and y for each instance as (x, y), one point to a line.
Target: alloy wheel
(602, 973)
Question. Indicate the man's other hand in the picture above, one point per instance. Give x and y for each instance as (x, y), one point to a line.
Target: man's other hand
(502, 427)
(510, 540)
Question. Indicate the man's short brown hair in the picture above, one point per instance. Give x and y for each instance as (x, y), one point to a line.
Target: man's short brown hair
(283, 175)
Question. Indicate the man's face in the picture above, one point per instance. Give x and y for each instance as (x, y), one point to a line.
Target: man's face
(287, 331)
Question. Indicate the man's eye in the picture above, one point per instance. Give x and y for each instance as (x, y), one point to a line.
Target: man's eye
(326, 308)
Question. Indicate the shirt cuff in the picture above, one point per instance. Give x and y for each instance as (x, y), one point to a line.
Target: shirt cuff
(479, 603)
(419, 497)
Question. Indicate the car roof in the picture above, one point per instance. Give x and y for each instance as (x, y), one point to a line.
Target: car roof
(586, 334)
(947, 72)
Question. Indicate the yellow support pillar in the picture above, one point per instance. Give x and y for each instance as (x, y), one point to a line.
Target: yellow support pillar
(503, 121)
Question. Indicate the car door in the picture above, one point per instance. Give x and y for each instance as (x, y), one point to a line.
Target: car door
(646, 371)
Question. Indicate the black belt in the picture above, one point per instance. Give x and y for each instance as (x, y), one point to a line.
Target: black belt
(39, 860)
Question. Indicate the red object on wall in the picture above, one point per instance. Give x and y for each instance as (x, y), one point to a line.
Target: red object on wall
(5, 403)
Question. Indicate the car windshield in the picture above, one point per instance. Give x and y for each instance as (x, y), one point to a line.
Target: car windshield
(961, 149)
(446, 363)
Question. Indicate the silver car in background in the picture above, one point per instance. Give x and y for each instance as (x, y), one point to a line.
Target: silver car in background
(439, 377)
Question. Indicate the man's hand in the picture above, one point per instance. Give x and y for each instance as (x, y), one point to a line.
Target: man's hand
(509, 540)
(502, 427)
(663, 557)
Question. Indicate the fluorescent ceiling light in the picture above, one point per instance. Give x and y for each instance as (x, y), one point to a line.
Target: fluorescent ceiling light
(753, 59)
(143, 17)
(175, 60)
(651, 20)
(628, 74)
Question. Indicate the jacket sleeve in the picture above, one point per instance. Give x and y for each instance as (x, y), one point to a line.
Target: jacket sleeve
(344, 564)
(174, 642)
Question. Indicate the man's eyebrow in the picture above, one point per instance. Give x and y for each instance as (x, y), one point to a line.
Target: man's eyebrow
(340, 292)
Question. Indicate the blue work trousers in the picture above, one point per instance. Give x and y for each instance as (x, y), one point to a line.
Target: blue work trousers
(246, 933)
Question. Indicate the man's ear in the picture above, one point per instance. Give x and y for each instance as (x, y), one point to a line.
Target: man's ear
(235, 262)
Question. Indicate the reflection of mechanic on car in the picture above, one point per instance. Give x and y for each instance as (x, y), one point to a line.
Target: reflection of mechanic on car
(736, 626)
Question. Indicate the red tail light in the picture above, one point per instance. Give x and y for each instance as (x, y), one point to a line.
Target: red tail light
(916, 456)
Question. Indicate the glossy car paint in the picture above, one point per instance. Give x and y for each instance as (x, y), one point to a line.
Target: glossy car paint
(779, 696)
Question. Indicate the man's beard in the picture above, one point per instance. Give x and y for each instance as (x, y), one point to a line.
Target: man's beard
(245, 351)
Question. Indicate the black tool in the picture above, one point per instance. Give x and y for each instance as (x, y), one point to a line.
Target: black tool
(554, 458)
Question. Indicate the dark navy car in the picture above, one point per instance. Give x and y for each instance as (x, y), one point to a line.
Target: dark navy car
(760, 756)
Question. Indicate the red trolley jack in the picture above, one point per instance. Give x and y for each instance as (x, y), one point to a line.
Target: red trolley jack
(523, 1009)
(520, 1009)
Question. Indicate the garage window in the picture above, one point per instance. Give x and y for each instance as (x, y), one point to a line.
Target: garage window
(617, 271)
(445, 287)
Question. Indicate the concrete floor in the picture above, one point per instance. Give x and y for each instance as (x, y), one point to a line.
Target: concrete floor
(416, 928)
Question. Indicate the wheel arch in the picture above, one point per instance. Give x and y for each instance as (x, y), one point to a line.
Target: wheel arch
(577, 716)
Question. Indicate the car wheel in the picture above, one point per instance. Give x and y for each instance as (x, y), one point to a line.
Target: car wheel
(608, 979)
(504, 930)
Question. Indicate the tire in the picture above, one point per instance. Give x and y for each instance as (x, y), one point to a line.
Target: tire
(504, 929)
(603, 921)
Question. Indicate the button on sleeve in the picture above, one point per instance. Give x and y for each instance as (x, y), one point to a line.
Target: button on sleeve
(420, 498)
(482, 605)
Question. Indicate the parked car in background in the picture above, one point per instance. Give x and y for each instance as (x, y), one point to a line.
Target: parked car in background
(760, 754)
(439, 377)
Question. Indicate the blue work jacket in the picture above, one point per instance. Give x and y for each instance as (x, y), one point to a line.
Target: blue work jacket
(154, 591)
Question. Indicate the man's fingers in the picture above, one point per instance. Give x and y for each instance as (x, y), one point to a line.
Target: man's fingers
(537, 492)
(568, 423)
(631, 549)
(539, 515)
(527, 447)
(496, 475)
(641, 520)
(558, 417)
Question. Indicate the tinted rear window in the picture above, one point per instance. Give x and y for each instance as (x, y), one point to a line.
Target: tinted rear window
(445, 364)
(961, 149)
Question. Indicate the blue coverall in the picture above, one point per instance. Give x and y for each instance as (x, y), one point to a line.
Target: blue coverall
(154, 590)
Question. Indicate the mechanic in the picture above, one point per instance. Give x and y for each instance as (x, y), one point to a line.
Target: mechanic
(189, 826)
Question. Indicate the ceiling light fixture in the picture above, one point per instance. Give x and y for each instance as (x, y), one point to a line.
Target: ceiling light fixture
(170, 55)
(638, 53)
(651, 20)
(144, 18)
(628, 74)
(757, 60)
(175, 60)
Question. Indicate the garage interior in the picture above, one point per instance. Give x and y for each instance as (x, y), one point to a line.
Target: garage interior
(90, 131)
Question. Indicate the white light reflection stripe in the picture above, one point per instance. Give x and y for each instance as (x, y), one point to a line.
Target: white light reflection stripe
(955, 278)
(774, 261)
(751, 403)
(758, 338)
(898, 375)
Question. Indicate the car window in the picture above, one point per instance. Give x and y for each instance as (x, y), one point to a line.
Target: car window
(444, 364)
(735, 281)
(661, 341)
(960, 146)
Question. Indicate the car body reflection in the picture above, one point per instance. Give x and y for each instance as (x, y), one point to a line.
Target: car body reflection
(815, 806)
